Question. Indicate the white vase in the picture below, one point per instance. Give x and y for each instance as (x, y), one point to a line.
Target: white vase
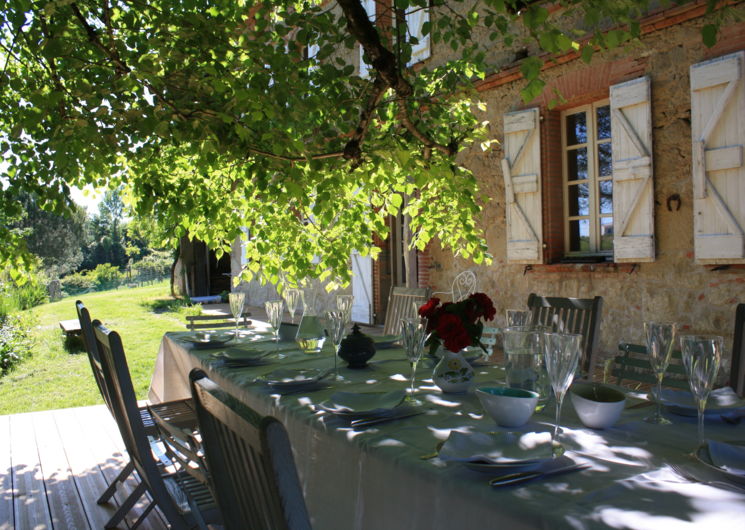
(452, 374)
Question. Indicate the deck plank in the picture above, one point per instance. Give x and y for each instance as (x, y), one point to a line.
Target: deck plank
(99, 428)
(30, 507)
(65, 505)
(6, 476)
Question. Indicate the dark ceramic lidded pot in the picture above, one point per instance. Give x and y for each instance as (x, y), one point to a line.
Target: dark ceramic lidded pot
(357, 348)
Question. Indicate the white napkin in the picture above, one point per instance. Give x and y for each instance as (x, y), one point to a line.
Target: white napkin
(498, 448)
(730, 458)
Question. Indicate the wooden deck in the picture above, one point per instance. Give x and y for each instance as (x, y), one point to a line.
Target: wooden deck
(55, 464)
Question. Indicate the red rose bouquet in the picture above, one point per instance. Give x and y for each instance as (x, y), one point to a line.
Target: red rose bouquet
(457, 325)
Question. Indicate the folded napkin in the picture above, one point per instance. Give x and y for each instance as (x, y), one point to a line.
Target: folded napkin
(497, 448)
(719, 400)
(729, 457)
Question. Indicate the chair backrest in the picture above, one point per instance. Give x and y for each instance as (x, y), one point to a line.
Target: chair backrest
(632, 364)
(127, 416)
(571, 315)
(464, 285)
(737, 363)
(252, 470)
(91, 347)
(402, 302)
(214, 321)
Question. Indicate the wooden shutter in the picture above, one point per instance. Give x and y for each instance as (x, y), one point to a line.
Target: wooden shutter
(521, 168)
(633, 196)
(718, 131)
(369, 6)
(415, 20)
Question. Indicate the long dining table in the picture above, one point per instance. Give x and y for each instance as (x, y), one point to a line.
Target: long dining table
(385, 476)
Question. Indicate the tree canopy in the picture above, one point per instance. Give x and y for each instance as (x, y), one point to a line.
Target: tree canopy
(223, 114)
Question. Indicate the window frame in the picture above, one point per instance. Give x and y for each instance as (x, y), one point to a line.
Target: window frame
(593, 180)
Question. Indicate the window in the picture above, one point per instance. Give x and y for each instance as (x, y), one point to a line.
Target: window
(588, 180)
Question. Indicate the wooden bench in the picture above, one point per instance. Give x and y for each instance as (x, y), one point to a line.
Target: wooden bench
(70, 327)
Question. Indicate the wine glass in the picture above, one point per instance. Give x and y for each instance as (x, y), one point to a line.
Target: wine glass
(660, 337)
(335, 324)
(291, 296)
(237, 301)
(274, 315)
(344, 303)
(414, 335)
(702, 355)
(562, 352)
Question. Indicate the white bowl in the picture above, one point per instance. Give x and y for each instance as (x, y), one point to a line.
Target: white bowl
(598, 406)
(509, 407)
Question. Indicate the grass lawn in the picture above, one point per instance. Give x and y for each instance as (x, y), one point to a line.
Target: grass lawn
(59, 375)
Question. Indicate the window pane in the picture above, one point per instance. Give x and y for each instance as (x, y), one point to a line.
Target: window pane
(606, 233)
(576, 129)
(579, 199)
(579, 235)
(605, 159)
(605, 196)
(603, 116)
(577, 164)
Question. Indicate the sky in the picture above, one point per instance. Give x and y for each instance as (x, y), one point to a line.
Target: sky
(87, 198)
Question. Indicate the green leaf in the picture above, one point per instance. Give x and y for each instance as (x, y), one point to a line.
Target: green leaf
(709, 35)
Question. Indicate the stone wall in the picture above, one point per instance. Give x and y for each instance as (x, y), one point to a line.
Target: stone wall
(673, 287)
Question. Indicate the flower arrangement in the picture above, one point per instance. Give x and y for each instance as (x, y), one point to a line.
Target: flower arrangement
(457, 325)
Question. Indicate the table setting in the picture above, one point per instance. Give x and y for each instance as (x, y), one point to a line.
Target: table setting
(572, 460)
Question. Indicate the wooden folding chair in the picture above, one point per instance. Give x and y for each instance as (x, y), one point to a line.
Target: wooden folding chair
(737, 365)
(402, 302)
(215, 321)
(184, 501)
(252, 469)
(571, 315)
(632, 365)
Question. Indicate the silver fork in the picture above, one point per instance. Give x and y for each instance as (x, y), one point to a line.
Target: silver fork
(690, 476)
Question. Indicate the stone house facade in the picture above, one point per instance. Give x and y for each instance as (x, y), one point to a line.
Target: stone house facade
(669, 273)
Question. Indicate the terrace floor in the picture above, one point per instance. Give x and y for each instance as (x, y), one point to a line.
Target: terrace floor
(54, 465)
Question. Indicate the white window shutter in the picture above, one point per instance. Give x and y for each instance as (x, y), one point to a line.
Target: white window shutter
(633, 195)
(415, 21)
(521, 169)
(718, 134)
(369, 6)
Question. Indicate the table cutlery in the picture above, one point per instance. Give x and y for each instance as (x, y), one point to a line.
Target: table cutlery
(367, 422)
(700, 477)
(641, 405)
(525, 476)
(734, 417)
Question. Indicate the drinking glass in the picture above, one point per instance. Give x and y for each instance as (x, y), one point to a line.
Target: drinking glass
(525, 366)
(518, 317)
(344, 303)
(291, 296)
(413, 335)
(274, 315)
(237, 301)
(702, 355)
(335, 324)
(660, 337)
(562, 352)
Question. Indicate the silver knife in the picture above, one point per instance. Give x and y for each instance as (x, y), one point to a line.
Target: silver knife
(518, 478)
(374, 421)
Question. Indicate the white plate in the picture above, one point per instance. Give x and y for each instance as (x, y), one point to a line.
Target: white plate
(681, 402)
(725, 452)
(503, 451)
(216, 340)
(363, 404)
(286, 378)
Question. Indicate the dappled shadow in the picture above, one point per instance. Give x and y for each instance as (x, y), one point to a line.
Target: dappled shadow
(73, 344)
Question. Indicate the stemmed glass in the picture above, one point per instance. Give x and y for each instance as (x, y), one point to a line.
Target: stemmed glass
(237, 301)
(660, 337)
(344, 303)
(702, 355)
(414, 335)
(562, 352)
(291, 296)
(336, 322)
(274, 315)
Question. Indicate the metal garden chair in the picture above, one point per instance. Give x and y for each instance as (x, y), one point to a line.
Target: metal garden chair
(464, 285)
(253, 472)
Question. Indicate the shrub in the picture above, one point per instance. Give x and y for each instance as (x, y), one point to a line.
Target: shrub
(15, 296)
(15, 341)
(77, 283)
(106, 276)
